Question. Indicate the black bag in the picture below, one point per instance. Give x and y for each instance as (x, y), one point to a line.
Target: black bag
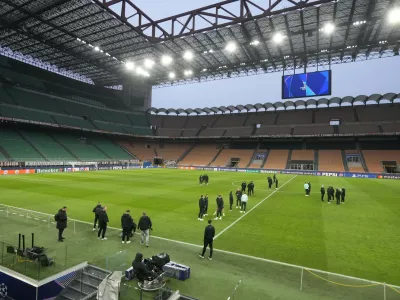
(160, 259)
(56, 217)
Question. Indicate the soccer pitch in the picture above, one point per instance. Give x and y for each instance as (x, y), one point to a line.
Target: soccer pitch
(359, 238)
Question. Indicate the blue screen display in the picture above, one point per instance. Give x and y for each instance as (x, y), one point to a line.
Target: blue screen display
(306, 85)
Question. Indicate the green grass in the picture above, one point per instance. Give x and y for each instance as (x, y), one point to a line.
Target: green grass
(357, 239)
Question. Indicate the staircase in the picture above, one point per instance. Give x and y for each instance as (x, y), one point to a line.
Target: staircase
(94, 145)
(186, 153)
(215, 121)
(32, 145)
(356, 115)
(198, 131)
(5, 153)
(265, 160)
(363, 162)
(245, 120)
(252, 157)
(316, 158)
(346, 167)
(289, 159)
(215, 157)
(84, 285)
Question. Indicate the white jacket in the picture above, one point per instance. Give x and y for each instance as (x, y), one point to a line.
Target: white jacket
(306, 186)
(244, 198)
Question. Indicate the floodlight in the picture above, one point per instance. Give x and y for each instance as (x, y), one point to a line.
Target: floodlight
(394, 15)
(129, 65)
(171, 75)
(188, 55)
(96, 48)
(166, 60)
(148, 63)
(255, 43)
(278, 37)
(230, 47)
(188, 72)
(139, 70)
(211, 51)
(329, 28)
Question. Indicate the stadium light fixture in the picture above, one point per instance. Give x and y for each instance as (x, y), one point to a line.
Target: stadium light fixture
(139, 71)
(166, 60)
(230, 47)
(148, 63)
(394, 15)
(129, 65)
(328, 28)
(188, 72)
(188, 55)
(255, 43)
(171, 75)
(210, 51)
(278, 38)
(96, 48)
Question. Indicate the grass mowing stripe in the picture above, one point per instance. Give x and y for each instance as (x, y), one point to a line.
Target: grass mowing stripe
(241, 217)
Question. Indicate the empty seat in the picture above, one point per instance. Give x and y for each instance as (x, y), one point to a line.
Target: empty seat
(304, 155)
(277, 159)
(374, 158)
(294, 117)
(17, 147)
(236, 120)
(273, 130)
(330, 160)
(324, 115)
(224, 157)
(201, 155)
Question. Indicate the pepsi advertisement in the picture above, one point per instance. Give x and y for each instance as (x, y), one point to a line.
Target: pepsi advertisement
(306, 85)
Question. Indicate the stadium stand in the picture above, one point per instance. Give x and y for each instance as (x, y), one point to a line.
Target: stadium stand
(172, 151)
(324, 115)
(264, 118)
(374, 158)
(239, 131)
(313, 129)
(47, 145)
(391, 127)
(224, 158)
(25, 114)
(80, 147)
(330, 160)
(274, 130)
(169, 132)
(230, 121)
(294, 117)
(277, 159)
(112, 150)
(212, 132)
(355, 167)
(358, 128)
(142, 150)
(17, 147)
(303, 155)
(201, 155)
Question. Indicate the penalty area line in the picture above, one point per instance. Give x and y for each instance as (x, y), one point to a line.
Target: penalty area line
(254, 207)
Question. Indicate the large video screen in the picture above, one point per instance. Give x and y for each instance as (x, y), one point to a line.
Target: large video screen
(306, 85)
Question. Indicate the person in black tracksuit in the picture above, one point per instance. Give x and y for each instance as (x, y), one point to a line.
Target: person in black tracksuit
(201, 208)
(331, 193)
(309, 187)
(103, 220)
(238, 197)
(250, 188)
(96, 211)
(276, 183)
(343, 194)
(127, 225)
(274, 178)
(209, 234)
(205, 206)
(269, 182)
(201, 179)
(230, 200)
(220, 206)
(337, 196)
(61, 219)
(205, 179)
(244, 187)
(322, 193)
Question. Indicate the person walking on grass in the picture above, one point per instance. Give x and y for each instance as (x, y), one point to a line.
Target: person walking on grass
(202, 205)
(230, 200)
(145, 226)
(61, 219)
(209, 234)
(103, 220)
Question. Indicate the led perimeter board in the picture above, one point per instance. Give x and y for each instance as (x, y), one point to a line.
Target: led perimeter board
(306, 85)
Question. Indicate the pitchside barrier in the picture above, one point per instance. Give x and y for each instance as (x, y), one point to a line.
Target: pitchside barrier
(294, 172)
(147, 165)
(288, 280)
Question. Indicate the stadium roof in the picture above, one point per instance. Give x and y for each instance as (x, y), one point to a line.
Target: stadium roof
(96, 38)
(287, 105)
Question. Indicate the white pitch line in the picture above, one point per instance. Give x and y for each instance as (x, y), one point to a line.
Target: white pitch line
(255, 206)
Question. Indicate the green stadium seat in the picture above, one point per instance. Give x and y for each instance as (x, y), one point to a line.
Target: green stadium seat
(82, 148)
(6, 97)
(50, 148)
(114, 116)
(73, 122)
(138, 120)
(111, 127)
(25, 114)
(111, 149)
(18, 148)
